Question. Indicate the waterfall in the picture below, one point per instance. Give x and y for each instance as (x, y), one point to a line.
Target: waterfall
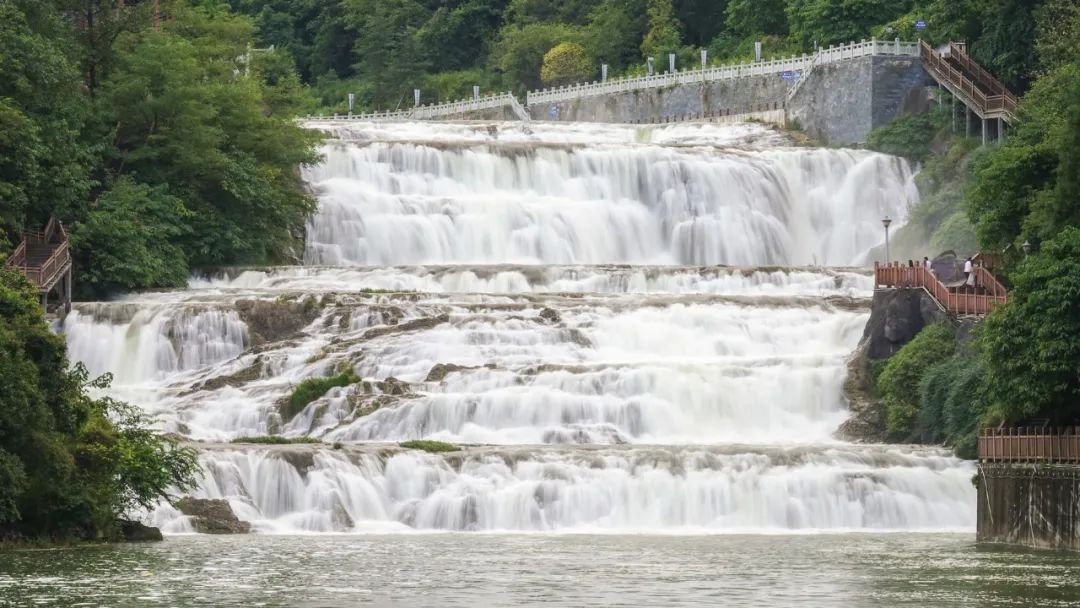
(554, 302)
(457, 200)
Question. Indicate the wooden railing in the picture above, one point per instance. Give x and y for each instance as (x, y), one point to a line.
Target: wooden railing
(996, 104)
(960, 300)
(986, 80)
(45, 274)
(1030, 444)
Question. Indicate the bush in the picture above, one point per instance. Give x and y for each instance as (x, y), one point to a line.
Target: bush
(311, 389)
(910, 135)
(566, 63)
(275, 440)
(428, 445)
(954, 401)
(900, 377)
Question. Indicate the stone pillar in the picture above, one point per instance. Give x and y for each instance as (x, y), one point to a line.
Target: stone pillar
(982, 121)
(967, 121)
(67, 291)
(1001, 130)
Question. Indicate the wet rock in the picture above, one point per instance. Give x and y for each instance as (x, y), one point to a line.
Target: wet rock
(896, 316)
(212, 516)
(550, 315)
(275, 320)
(248, 374)
(440, 371)
(393, 386)
(413, 325)
(135, 532)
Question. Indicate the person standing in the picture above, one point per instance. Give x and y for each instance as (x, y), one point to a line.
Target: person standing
(927, 264)
(967, 269)
(969, 275)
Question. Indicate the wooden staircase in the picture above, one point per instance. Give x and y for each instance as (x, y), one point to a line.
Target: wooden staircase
(975, 87)
(45, 258)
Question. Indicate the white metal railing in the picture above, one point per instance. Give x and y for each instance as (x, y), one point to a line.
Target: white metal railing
(441, 110)
(712, 74)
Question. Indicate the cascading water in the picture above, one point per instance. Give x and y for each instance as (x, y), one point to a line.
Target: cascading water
(552, 295)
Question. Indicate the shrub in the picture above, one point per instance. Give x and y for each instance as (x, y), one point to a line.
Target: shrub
(275, 440)
(428, 445)
(311, 389)
(566, 63)
(910, 135)
(900, 377)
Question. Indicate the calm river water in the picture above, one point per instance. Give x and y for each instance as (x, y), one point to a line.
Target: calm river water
(448, 570)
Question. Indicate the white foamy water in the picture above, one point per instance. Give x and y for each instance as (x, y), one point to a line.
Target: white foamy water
(590, 490)
(448, 200)
(552, 294)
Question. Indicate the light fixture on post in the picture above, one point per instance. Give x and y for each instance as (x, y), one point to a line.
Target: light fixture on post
(1026, 247)
(885, 222)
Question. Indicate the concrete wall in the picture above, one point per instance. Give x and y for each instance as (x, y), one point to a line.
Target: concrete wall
(841, 102)
(1029, 504)
(750, 94)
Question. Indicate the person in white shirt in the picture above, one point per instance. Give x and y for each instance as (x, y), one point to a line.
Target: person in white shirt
(969, 276)
(927, 264)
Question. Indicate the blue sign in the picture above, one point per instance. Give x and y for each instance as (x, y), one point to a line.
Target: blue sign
(920, 25)
(791, 75)
(553, 111)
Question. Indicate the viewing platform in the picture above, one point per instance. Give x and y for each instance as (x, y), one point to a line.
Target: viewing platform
(958, 299)
(45, 258)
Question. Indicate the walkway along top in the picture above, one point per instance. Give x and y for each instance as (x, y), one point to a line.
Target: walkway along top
(959, 300)
(45, 259)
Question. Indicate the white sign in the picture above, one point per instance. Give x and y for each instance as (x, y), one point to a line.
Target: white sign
(757, 50)
(476, 91)
(416, 96)
(649, 63)
(671, 62)
(603, 72)
(704, 58)
(352, 100)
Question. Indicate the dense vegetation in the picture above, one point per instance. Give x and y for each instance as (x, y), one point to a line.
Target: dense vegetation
(160, 149)
(429, 445)
(1025, 361)
(70, 465)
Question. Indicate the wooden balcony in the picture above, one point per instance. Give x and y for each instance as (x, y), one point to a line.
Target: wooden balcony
(45, 258)
(1030, 444)
(955, 299)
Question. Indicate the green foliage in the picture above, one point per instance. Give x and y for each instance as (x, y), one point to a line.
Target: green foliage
(614, 33)
(903, 372)
(662, 34)
(275, 440)
(829, 22)
(129, 240)
(311, 389)
(70, 465)
(909, 135)
(428, 445)
(518, 54)
(1032, 343)
(764, 17)
(566, 63)
(953, 402)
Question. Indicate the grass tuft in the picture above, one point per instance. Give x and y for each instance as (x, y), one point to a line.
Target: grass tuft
(429, 445)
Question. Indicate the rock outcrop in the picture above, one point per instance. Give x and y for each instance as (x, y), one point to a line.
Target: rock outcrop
(896, 316)
(134, 531)
(212, 516)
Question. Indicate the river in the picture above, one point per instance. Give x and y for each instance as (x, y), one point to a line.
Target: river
(634, 332)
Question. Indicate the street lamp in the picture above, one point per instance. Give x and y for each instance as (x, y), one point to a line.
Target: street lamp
(1026, 247)
(885, 222)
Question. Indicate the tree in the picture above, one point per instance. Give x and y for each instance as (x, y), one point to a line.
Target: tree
(701, 20)
(662, 35)
(755, 17)
(830, 22)
(615, 30)
(903, 372)
(519, 52)
(66, 468)
(1032, 343)
(388, 52)
(566, 63)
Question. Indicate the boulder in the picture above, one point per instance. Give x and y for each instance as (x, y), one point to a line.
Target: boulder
(212, 516)
(134, 532)
(550, 315)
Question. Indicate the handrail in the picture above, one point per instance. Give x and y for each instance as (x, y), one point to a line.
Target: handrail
(961, 303)
(43, 275)
(981, 74)
(985, 105)
(434, 110)
(18, 257)
(1030, 444)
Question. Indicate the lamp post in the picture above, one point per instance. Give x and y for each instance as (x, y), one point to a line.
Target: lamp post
(1026, 247)
(885, 222)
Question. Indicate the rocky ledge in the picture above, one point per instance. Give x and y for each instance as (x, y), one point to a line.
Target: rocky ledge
(212, 516)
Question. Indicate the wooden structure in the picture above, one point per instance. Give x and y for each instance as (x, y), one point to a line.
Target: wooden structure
(981, 93)
(1030, 444)
(44, 257)
(958, 300)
